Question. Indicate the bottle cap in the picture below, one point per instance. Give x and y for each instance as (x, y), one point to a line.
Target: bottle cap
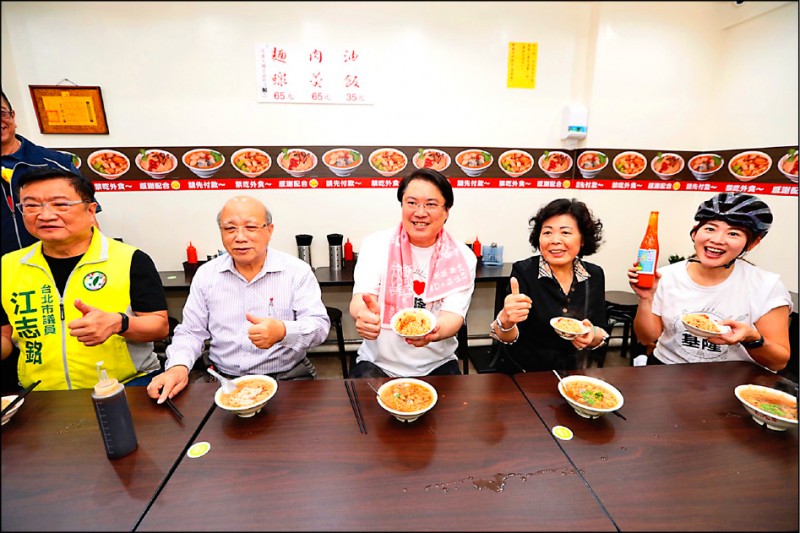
(105, 386)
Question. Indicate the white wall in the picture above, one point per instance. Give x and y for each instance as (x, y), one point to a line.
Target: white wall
(677, 75)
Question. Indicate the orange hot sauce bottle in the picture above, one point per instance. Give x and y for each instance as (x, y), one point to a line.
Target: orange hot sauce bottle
(647, 258)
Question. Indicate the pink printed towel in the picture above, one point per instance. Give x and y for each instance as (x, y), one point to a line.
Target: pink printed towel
(448, 272)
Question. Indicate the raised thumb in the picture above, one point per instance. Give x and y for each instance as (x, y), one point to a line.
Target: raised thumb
(514, 286)
(372, 304)
(82, 307)
(252, 319)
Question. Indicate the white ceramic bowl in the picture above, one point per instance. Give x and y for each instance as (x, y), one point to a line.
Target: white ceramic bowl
(260, 168)
(736, 161)
(204, 172)
(310, 161)
(654, 164)
(156, 175)
(592, 172)
(13, 411)
(395, 155)
(419, 312)
(792, 177)
(120, 161)
(407, 416)
(248, 410)
(565, 334)
(588, 411)
(438, 159)
(519, 171)
(553, 173)
(771, 420)
(703, 175)
(75, 159)
(342, 171)
(629, 155)
(694, 330)
(475, 155)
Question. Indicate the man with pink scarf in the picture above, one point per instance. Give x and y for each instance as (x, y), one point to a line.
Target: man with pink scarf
(416, 264)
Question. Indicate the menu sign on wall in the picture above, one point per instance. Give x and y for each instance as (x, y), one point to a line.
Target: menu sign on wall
(312, 75)
(766, 171)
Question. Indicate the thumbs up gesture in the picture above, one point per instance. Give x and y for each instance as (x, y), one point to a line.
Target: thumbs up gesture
(516, 306)
(368, 318)
(95, 326)
(265, 332)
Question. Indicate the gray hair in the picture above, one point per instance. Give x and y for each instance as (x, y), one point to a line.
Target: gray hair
(267, 213)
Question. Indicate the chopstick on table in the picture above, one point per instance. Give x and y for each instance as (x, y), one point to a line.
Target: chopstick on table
(173, 408)
(20, 396)
(355, 405)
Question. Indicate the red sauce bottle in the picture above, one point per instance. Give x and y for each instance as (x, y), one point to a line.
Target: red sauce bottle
(477, 249)
(348, 251)
(647, 258)
(191, 253)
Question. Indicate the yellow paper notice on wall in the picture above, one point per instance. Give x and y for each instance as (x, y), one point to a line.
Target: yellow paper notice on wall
(522, 59)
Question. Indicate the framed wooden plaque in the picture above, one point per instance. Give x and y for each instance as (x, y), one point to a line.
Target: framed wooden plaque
(69, 109)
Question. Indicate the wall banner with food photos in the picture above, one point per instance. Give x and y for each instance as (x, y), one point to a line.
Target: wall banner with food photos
(764, 171)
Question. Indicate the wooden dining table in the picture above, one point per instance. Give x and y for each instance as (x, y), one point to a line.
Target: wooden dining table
(687, 456)
(479, 460)
(55, 472)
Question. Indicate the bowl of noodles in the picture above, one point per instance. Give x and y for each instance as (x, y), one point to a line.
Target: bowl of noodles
(407, 398)
(568, 328)
(770, 407)
(251, 395)
(387, 161)
(413, 323)
(704, 325)
(747, 166)
(590, 397)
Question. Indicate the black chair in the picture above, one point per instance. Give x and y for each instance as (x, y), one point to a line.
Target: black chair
(335, 315)
(462, 352)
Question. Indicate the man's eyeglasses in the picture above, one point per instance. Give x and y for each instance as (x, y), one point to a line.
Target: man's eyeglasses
(7, 114)
(428, 207)
(56, 206)
(250, 229)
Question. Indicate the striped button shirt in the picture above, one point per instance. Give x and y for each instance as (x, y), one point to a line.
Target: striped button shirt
(219, 298)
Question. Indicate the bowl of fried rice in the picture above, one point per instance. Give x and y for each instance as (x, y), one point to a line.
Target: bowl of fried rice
(413, 323)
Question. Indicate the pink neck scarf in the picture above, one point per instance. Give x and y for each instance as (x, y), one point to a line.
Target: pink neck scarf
(448, 272)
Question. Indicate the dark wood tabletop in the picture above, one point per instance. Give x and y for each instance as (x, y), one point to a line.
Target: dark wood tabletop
(688, 455)
(56, 475)
(479, 460)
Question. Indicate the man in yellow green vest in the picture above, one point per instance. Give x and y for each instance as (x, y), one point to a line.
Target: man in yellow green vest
(77, 297)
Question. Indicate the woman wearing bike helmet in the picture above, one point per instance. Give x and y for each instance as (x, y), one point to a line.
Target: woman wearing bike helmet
(717, 280)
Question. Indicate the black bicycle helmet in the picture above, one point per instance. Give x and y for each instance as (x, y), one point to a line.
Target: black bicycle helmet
(737, 209)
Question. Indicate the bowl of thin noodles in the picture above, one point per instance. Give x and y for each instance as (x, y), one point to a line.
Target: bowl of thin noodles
(251, 395)
(407, 398)
(413, 323)
(590, 397)
(704, 325)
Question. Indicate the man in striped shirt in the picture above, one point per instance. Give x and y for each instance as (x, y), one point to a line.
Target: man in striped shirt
(261, 308)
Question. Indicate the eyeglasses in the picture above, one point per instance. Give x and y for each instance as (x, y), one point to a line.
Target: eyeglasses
(250, 229)
(428, 207)
(56, 206)
(7, 114)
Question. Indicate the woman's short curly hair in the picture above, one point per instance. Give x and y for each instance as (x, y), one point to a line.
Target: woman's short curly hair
(590, 227)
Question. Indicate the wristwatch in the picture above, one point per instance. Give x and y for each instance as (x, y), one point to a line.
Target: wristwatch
(125, 322)
(754, 344)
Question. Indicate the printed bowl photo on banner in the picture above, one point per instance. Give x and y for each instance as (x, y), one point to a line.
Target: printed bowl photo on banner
(667, 165)
(75, 159)
(251, 162)
(474, 161)
(629, 164)
(204, 162)
(387, 161)
(555, 163)
(747, 166)
(591, 162)
(703, 166)
(109, 164)
(342, 161)
(155, 163)
(788, 165)
(431, 158)
(297, 162)
(515, 163)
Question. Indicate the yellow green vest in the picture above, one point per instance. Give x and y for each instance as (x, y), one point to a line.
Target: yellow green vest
(39, 315)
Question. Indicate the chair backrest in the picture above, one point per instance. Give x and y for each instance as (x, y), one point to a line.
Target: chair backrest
(462, 352)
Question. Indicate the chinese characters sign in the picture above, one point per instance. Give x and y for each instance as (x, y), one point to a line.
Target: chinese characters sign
(522, 59)
(311, 75)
